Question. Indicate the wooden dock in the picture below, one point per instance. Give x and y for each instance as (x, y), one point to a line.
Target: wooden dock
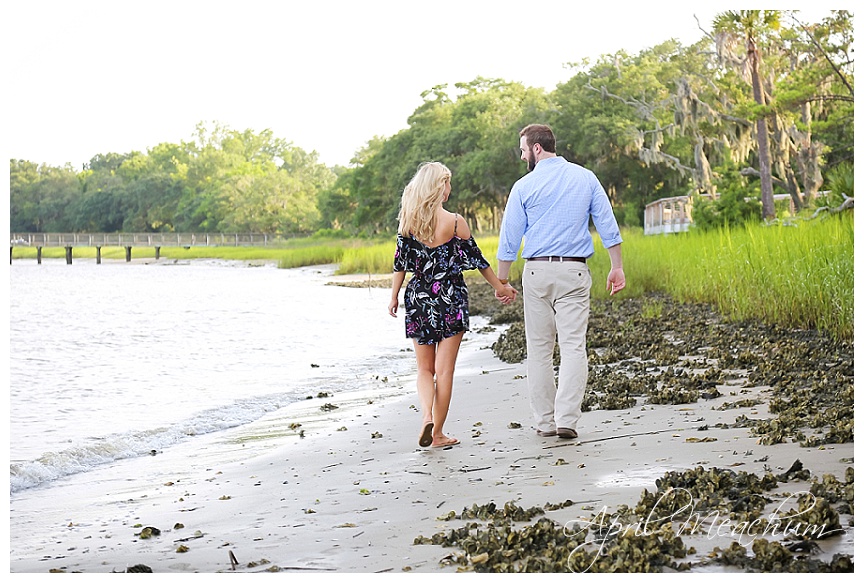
(130, 240)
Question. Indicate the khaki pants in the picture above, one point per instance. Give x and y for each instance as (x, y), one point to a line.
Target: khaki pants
(556, 298)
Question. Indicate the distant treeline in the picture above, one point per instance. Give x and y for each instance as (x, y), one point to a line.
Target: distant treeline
(673, 120)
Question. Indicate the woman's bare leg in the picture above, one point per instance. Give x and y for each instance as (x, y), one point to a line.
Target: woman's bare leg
(425, 379)
(445, 365)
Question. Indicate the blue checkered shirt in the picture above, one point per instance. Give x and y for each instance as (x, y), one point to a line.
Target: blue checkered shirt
(550, 206)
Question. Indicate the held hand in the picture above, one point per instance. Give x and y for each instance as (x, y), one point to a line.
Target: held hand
(392, 307)
(507, 295)
(511, 292)
(616, 281)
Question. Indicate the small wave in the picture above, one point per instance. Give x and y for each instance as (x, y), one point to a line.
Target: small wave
(84, 457)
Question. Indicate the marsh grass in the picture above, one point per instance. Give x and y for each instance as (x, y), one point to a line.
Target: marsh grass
(316, 255)
(78, 253)
(652, 309)
(800, 276)
(377, 258)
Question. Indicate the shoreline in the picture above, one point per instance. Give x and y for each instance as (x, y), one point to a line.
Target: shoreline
(357, 491)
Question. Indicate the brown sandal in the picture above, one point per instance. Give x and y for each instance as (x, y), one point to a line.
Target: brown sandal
(426, 436)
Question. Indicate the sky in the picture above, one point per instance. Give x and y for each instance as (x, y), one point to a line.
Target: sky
(88, 77)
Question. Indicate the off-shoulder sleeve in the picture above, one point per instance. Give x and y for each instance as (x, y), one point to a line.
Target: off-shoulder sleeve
(470, 255)
(402, 258)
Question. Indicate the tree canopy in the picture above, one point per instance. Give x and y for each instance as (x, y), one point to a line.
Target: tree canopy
(763, 104)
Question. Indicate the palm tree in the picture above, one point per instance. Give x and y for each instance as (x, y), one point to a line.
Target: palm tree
(731, 28)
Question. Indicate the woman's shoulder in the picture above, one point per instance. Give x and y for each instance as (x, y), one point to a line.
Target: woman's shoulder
(462, 230)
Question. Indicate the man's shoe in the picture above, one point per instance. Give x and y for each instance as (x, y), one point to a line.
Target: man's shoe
(565, 433)
(547, 433)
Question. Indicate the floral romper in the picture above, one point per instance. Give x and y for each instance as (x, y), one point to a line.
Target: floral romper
(436, 298)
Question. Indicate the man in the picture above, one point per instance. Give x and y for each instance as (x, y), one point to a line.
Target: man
(550, 206)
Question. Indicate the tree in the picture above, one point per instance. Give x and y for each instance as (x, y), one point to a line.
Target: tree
(473, 128)
(103, 203)
(813, 99)
(23, 196)
(41, 196)
(487, 116)
(334, 203)
(738, 204)
(157, 188)
(672, 120)
(251, 181)
(622, 118)
(749, 27)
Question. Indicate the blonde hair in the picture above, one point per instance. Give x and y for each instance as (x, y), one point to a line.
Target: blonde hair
(420, 201)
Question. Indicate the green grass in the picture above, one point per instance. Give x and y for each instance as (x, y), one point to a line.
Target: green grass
(799, 276)
(376, 258)
(77, 252)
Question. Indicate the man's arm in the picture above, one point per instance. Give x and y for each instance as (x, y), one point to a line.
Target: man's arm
(616, 280)
(504, 270)
(504, 277)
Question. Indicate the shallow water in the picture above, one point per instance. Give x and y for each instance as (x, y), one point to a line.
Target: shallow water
(110, 362)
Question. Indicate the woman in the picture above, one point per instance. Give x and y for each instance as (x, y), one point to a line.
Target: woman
(436, 245)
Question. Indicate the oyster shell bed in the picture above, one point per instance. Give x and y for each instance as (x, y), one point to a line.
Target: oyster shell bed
(600, 544)
(653, 350)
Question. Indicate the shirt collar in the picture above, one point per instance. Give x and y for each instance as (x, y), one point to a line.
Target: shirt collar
(550, 161)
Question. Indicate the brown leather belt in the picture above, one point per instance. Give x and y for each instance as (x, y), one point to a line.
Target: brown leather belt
(555, 258)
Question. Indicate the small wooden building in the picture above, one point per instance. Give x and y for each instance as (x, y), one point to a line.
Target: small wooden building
(672, 215)
(668, 215)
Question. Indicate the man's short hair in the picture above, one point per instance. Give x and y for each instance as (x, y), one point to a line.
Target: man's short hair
(539, 134)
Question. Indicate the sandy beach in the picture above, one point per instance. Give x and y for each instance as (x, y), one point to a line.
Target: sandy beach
(353, 495)
(353, 491)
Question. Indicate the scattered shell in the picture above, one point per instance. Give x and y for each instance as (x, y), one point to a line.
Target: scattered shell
(139, 569)
(148, 532)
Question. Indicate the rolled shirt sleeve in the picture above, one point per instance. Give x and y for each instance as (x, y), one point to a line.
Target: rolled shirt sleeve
(513, 227)
(603, 217)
